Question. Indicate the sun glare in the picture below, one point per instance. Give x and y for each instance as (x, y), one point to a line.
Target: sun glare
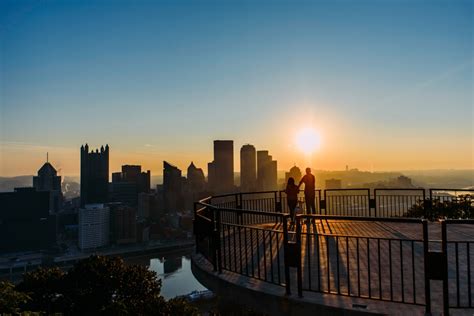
(308, 140)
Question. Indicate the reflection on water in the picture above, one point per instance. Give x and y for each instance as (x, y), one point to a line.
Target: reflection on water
(175, 274)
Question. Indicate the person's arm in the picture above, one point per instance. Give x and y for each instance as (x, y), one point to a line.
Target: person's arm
(301, 181)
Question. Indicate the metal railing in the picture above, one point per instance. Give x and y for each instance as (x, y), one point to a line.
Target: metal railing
(361, 264)
(345, 249)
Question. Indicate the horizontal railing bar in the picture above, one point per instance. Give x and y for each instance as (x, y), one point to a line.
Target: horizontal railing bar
(360, 237)
(251, 212)
(252, 227)
(354, 189)
(205, 199)
(458, 221)
(399, 189)
(362, 218)
(462, 190)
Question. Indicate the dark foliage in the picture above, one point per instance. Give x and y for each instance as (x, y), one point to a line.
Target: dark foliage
(458, 207)
(11, 299)
(99, 286)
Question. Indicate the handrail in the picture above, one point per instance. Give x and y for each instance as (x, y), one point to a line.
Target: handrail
(252, 212)
(363, 218)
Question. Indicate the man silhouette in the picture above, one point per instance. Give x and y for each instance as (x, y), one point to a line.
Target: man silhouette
(309, 193)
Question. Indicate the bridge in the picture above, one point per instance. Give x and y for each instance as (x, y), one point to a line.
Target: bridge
(361, 252)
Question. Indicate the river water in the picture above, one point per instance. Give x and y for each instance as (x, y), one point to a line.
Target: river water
(174, 270)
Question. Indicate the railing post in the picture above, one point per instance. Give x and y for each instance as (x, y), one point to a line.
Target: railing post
(285, 262)
(426, 263)
(373, 202)
(278, 206)
(213, 239)
(217, 237)
(238, 203)
(444, 248)
(299, 274)
(324, 204)
(319, 199)
(194, 228)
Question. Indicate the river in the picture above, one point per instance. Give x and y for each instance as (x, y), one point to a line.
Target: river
(174, 270)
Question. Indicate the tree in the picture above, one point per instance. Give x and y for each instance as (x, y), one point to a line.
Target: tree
(10, 299)
(458, 207)
(100, 285)
(44, 285)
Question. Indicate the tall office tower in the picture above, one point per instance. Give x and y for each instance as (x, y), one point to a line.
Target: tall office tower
(94, 175)
(273, 175)
(131, 173)
(263, 160)
(48, 180)
(25, 221)
(94, 226)
(123, 224)
(126, 185)
(266, 171)
(211, 176)
(172, 188)
(196, 179)
(222, 175)
(248, 168)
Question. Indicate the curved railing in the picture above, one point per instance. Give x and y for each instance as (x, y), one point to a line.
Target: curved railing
(359, 244)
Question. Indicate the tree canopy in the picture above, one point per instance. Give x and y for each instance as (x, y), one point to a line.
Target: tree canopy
(93, 286)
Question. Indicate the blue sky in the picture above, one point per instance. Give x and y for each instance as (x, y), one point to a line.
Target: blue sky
(388, 84)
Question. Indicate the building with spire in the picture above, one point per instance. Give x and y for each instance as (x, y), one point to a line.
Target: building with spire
(94, 175)
(48, 180)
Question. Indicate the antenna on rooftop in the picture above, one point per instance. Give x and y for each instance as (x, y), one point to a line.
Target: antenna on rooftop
(47, 157)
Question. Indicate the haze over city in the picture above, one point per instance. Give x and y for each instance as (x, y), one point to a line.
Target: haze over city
(384, 86)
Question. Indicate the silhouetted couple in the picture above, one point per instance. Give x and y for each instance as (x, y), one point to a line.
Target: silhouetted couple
(292, 191)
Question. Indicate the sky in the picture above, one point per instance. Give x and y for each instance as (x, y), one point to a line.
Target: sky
(387, 84)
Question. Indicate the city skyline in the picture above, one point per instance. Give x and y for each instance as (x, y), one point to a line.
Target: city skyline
(387, 86)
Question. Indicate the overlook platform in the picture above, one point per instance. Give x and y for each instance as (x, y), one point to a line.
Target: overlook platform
(334, 264)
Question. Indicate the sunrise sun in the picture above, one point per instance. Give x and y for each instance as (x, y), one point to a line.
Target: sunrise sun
(308, 140)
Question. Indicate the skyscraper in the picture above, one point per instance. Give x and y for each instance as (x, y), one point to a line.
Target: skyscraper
(248, 168)
(172, 188)
(48, 180)
(133, 173)
(94, 175)
(196, 179)
(266, 171)
(221, 177)
(126, 185)
(25, 221)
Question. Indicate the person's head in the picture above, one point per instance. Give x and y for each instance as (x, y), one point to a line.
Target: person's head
(308, 170)
(291, 181)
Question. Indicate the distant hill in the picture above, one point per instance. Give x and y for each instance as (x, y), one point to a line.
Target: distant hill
(442, 179)
(7, 184)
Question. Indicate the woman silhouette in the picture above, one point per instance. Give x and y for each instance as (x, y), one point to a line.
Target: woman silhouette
(292, 197)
